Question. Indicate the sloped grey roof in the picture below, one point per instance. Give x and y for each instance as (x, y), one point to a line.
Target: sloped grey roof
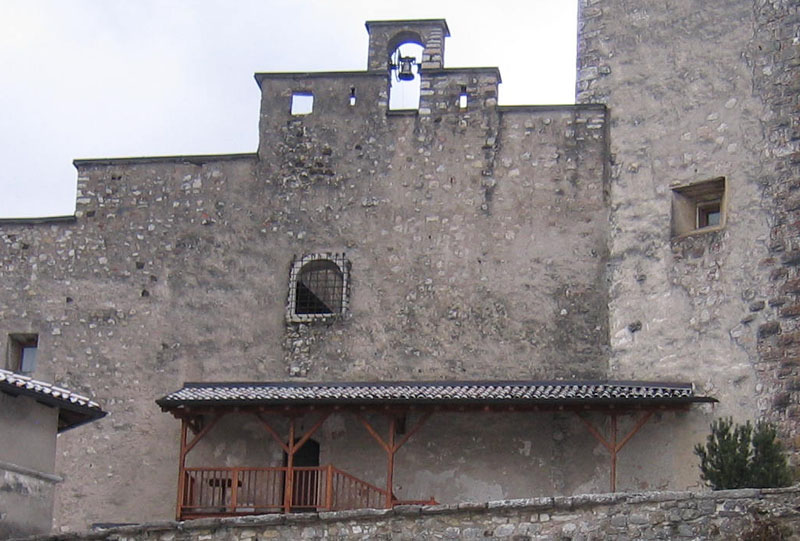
(73, 409)
(465, 392)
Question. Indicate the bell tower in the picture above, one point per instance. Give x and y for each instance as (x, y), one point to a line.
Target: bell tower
(386, 36)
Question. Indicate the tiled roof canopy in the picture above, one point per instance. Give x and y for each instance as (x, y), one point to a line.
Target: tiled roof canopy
(435, 393)
(73, 409)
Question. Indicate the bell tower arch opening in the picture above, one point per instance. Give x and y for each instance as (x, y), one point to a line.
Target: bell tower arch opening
(405, 51)
(404, 79)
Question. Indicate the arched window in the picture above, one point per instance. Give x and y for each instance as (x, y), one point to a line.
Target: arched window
(318, 287)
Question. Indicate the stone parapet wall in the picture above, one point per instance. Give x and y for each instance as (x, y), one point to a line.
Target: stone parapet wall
(728, 514)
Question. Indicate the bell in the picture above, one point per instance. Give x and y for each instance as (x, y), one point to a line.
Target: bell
(406, 72)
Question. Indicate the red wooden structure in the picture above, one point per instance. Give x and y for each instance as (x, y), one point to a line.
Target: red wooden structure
(233, 491)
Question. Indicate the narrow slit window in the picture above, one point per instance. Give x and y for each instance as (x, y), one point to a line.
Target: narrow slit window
(352, 96)
(302, 103)
(462, 98)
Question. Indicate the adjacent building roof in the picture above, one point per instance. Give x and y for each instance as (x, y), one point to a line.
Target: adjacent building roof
(73, 409)
(437, 393)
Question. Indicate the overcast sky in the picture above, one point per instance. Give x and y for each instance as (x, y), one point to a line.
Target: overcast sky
(115, 78)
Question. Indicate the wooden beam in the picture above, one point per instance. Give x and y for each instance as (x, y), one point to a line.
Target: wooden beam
(195, 424)
(301, 409)
(639, 424)
(593, 431)
(302, 441)
(273, 433)
(421, 421)
(202, 433)
(373, 433)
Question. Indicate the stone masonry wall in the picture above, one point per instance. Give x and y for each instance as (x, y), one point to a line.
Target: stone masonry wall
(733, 514)
(477, 242)
(776, 67)
(698, 90)
(698, 112)
(490, 242)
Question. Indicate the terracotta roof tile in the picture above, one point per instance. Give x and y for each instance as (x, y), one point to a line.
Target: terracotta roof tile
(74, 409)
(431, 392)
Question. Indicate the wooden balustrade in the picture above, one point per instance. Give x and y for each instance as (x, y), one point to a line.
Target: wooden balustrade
(252, 491)
(349, 492)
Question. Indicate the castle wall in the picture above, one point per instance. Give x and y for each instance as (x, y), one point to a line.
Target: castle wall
(776, 56)
(476, 240)
(678, 79)
(484, 243)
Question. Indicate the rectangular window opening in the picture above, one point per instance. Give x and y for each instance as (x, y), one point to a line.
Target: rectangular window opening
(352, 96)
(302, 103)
(22, 349)
(462, 98)
(699, 207)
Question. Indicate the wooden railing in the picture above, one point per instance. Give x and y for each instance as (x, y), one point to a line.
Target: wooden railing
(348, 492)
(251, 491)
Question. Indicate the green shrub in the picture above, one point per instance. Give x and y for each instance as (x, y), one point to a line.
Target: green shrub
(739, 456)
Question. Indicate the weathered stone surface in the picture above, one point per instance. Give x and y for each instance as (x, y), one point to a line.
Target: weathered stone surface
(683, 111)
(729, 514)
(477, 243)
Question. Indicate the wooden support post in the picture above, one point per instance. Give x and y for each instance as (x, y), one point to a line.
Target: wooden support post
(234, 480)
(613, 446)
(289, 477)
(614, 451)
(187, 446)
(181, 470)
(391, 447)
(290, 448)
(390, 464)
(329, 489)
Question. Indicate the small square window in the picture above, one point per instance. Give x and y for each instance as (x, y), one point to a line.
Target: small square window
(22, 350)
(302, 103)
(318, 287)
(698, 207)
